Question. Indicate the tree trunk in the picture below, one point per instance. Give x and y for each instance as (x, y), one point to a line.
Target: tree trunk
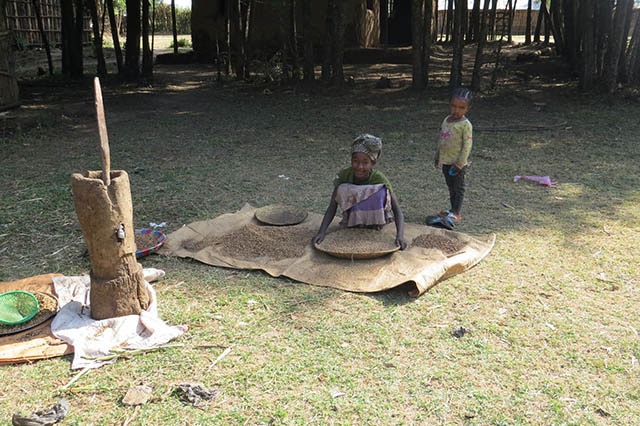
(117, 282)
(634, 55)
(476, 78)
(293, 36)
(623, 63)
(338, 50)
(616, 45)
(557, 29)
(572, 40)
(308, 68)
(527, 31)
(587, 69)
(332, 66)
(474, 22)
(417, 46)
(511, 6)
(114, 34)
(427, 37)
(538, 29)
(384, 21)
(43, 34)
(147, 54)
(132, 53)
(71, 28)
(455, 77)
(604, 25)
(227, 34)
(492, 19)
(97, 38)
(449, 20)
(421, 18)
(9, 93)
(174, 27)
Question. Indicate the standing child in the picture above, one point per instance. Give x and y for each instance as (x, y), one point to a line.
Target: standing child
(452, 153)
(364, 194)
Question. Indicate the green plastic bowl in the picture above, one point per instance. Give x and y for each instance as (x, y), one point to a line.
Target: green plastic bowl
(17, 307)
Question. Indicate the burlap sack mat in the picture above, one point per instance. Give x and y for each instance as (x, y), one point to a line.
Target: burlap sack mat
(37, 342)
(209, 242)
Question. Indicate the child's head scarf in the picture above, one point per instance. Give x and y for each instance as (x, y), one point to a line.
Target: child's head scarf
(369, 144)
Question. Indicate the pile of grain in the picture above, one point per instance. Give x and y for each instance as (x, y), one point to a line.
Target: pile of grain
(145, 241)
(48, 308)
(255, 241)
(439, 242)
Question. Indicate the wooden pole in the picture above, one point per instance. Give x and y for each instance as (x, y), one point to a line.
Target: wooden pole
(102, 131)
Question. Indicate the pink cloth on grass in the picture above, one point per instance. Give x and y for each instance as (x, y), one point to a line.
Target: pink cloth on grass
(542, 180)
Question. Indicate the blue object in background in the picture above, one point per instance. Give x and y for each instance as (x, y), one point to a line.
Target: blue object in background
(452, 171)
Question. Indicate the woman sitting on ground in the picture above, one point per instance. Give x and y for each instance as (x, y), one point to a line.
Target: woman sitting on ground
(364, 194)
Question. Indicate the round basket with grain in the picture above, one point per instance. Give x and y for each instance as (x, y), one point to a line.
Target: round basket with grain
(357, 243)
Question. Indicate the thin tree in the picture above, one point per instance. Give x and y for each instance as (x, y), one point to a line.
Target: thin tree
(97, 38)
(510, 13)
(623, 70)
(457, 38)
(492, 19)
(570, 30)
(132, 53)
(295, 63)
(114, 34)
(527, 30)
(634, 55)
(616, 45)
(474, 22)
(587, 69)
(174, 27)
(557, 28)
(421, 25)
(43, 35)
(332, 65)
(147, 54)
(543, 20)
(71, 30)
(308, 67)
(417, 44)
(476, 77)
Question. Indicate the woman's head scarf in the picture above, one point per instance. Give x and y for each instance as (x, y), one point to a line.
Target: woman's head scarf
(368, 144)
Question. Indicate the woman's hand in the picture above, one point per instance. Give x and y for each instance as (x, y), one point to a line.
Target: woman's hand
(400, 242)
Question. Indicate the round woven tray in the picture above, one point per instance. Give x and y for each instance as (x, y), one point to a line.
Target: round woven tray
(281, 215)
(48, 308)
(148, 241)
(357, 243)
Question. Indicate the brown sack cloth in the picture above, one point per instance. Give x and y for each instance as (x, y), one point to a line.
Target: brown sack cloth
(239, 241)
(36, 342)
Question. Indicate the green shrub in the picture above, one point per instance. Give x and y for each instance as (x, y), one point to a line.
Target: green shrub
(183, 42)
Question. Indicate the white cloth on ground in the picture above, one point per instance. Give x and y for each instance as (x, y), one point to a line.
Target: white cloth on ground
(93, 339)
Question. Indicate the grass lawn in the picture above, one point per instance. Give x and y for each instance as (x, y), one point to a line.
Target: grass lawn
(550, 316)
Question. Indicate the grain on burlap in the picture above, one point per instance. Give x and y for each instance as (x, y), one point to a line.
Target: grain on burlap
(255, 241)
(439, 242)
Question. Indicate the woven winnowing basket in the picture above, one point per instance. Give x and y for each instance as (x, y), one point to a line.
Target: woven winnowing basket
(17, 307)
